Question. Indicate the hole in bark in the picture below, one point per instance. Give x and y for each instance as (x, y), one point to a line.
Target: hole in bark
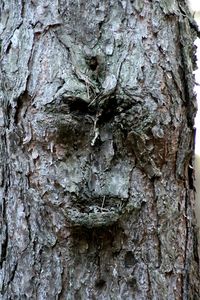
(107, 115)
(129, 260)
(21, 106)
(78, 105)
(100, 283)
(93, 63)
(132, 283)
(9, 47)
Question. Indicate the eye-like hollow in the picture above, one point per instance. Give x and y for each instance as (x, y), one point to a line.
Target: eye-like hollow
(77, 105)
(68, 104)
(93, 63)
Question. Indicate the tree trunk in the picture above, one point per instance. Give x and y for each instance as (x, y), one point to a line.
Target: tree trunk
(97, 113)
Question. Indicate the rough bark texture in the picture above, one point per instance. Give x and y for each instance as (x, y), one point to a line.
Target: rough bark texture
(97, 111)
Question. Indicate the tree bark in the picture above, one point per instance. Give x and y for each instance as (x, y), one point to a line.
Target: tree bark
(97, 140)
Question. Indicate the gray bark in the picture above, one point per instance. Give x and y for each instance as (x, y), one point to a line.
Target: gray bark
(97, 111)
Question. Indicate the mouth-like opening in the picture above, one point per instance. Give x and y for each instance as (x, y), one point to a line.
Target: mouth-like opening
(95, 212)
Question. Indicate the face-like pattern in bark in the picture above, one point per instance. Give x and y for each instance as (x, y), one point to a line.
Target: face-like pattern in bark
(93, 122)
(85, 142)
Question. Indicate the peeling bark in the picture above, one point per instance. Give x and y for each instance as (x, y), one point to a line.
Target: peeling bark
(97, 115)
